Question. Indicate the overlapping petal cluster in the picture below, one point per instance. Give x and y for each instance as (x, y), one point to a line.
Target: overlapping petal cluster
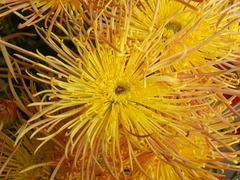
(145, 90)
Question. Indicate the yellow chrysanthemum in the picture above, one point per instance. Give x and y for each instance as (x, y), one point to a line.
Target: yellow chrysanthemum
(98, 97)
(20, 162)
(101, 94)
(208, 31)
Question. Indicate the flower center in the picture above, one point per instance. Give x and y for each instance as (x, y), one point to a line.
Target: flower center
(175, 27)
(120, 92)
(120, 89)
(117, 90)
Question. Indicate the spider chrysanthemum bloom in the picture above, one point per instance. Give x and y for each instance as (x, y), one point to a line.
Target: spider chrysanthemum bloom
(209, 30)
(96, 95)
(20, 162)
(99, 95)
